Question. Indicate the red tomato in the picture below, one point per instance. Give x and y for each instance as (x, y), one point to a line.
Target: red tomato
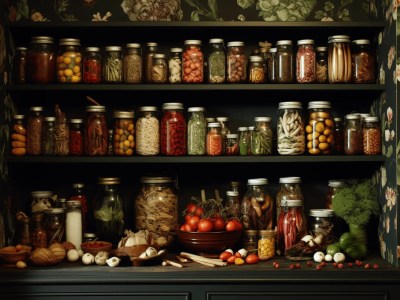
(190, 208)
(193, 221)
(199, 211)
(218, 224)
(231, 259)
(252, 258)
(205, 225)
(238, 224)
(186, 227)
(232, 225)
(225, 255)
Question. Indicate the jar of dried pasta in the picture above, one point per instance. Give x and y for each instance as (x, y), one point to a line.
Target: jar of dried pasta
(148, 131)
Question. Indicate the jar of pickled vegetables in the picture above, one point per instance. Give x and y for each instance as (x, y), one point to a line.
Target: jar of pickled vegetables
(133, 63)
(256, 69)
(160, 69)
(232, 144)
(18, 135)
(353, 142)
(363, 61)
(75, 137)
(48, 137)
(321, 66)
(34, 131)
(173, 130)
(305, 61)
(333, 186)
(244, 140)
(262, 136)
(193, 62)
(41, 60)
(148, 131)
(266, 244)
(69, 61)
(216, 61)
(372, 136)
(339, 136)
(284, 62)
(339, 59)
(214, 139)
(232, 204)
(113, 65)
(124, 132)
(196, 131)
(96, 132)
(289, 189)
(224, 121)
(54, 225)
(236, 62)
(322, 223)
(91, 65)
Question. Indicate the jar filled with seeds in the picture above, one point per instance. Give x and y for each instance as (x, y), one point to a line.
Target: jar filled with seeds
(69, 61)
(96, 132)
(333, 186)
(363, 61)
(175, 65)
(232, 204)
(41, 60)
(76, 137)
(266, 244)
(34, 130)
(262, 136)
(305, 61)
(256, 69)
(54, 219)
(236, 62)
(289, 189)
(124, 133)
(290, 129)
(173, 130)
(113, 65)
(271, 65)
(339, 136)
(216, 61)
(196, 131)
(48, 136)
(339, 59)
(244, 140)
(133, 64)
(214, 139)
(284, 62)
(321, 66)
(232, 144)
(193, 62)
(92, 65)
(147, 131)
(156, 208)
(19, 65)
(353, 135)
(150, 50)
(372, 136)
(18, 135)
(160, 69)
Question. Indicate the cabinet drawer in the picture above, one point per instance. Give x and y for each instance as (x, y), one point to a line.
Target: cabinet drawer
(101, 296)
(296, 295)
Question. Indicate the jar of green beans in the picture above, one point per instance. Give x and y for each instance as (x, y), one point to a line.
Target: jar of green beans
(113, 65)
(197, 130)
(261, 137)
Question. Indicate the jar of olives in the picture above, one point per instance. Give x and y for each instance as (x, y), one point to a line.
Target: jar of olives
(123, 133)
(69, 61)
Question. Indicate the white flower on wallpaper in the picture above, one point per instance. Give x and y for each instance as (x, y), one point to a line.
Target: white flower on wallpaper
(390, 196)
(389, 135)
(382, 246)
(387, 224)
(397, 74)
(381, 75)
(383, 176)
(391, 56)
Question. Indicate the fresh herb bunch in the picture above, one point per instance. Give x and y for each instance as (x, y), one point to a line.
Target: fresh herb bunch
(356, 202)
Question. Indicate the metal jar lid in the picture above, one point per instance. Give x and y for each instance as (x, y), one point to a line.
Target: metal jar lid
(235, 44)
(176, 50)
(336, 183)
(54, 211)
(133, 45)
(216, 41)
(95, 108)
(319, 104)
(155, 179)
(232, 193)
(113, 48)
(76, 121)
(49, 119)
(92, 49)
(172, 105)
(214, 125)
(148, 108)
(290, 104)
(284, 42)
(18, 117)
(108, 180)
(305, 42)
(69, 42)
(196, 109)
(192, 42)
(292, 203)
(321, 213)
(289, 180)
(36, 108)
(262, 119)
(73, 203)
(41, 194)
(257, 181)
(124, 114)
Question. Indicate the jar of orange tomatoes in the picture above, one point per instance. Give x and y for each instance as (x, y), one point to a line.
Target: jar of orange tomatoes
(193, 60)
(69, 61)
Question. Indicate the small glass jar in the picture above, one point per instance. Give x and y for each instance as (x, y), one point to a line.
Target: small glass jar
(363, 61)
(39, 237)
(78, 193)
(250, 241)
(113, 65)
(232, 144)
(69, 61)
(284, 62)
(54, 225)
(61, 134)
(148, 131)
(271, 66)
(333, 186)
(256, 69)
(196, 131)
(19, 65)
(41, 60)
(41, 201)
(262, 136)
(353, 138)
(339, 136)
(24, 231)
(244, 140)
(18, 135)
(216, 61)
(92, 65)
(150, 50)
(289, 189)
(76, 137)
(321, 66)
(372, 136)
(62, 203)
(266, 244)
(214, 139)
(193, 62)
(48, 136)
(160, 69)
(322, 223)
(124, 133)
(96, 133)
(232, 205)
(173, 130)
(73, 223)
(305, 61)
(34, 130)
(236, 62)
(339, 59)
(133, 63)
(175, 65)
(89, 237)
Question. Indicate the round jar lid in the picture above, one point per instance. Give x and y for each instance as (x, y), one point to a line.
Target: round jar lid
(148, 108)
(42, 40)
(272, 50)
(95, 108)
(36, 108)
(214, 124)
(232, 193)
(133, 45)
(216, 41)
(41, 194)
(18, 117)
(291, 203)
(289, 180)
(251, 128)
(73, 203)
(255, 58)
(250, 232)
(305, 42)
(78, 185)
(89, 235)
(353, 117)
(124, 114)
(155, 179)
(362, 42)
(108, 180)
(371, 119)
(319, 104)
(243, 128)
(92, 49)
(336, 183)
(337, 119)
(322, 213)
(262, 119)
(257, 181)
(76, 121)
(192, 42)
(284, 42)
(235, 44)
(172, 105)
(232, 136)
(209, 120)
(176, 50)
(54, 211)
(69, 42)
(113, 48)
(21, 49)
(151, 44)
(290, 104)
(222, 119)
(338, 40)
(196, 109)
(159, 55)
(49, 119)
(321, 49)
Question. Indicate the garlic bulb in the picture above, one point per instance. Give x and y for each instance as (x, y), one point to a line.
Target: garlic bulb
(113, 261)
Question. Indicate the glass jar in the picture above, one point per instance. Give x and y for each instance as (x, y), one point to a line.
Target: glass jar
(372, 136)
(272, 66)
(18, 135)
(133, 63)
(24, 231)
(175, 65)
(110, 148)
(232, 205)
(261, 137)
(108, 211)
(284, 62)
(305, 61)
(321, 66)
(69, 61)
(333, 186)
(256, 69)
(320, 128)
(224, 121)
(160, 69)
(244, 140)
(89, 237)
(250, 241)
(75, 137)
(363, 61)
(353, 142)
(54, 225)
(196, 131)
(41, 60)
(39, 237)
(290, 129)
(91, 65)
(78, 194)
(193, 62)
(73, 223)
(34, 130)
(61, 134)
(113, 65)
(266, 244)
(156, 208)
(48, 137)
(339, 136)
(216, 61)
(339, 59)
(257, 207)
(232, 144)
(236, 62)
(150, 50)
(95, 137)
(322, 223)
(19, 65)
(148, 131)
(289, 189)
(124, 133)
(214, 139)
(173, 130)
(41, 201)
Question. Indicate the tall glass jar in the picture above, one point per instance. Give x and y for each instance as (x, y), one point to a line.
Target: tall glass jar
(54, 219)
(224, 121)
(321, 66)
(156, 208)
(18, 135)
(353, 142)
(150, 50)
(305, 61)
(339, 136)
(73, 223)
(24, 231)
(289, 189)
(193, 62)
(290, 129)
(372, 136)
(92, 65)
(39, 237)
(78, 193)
(19, 65)
(148, 131)
(96, 133)
(173, 130)
(61, 134)
(214, 139)
(69, 61)
(216, 61)
(48, 137)
(175, 65)
(108, 210)
(256, 69)
(236, 62)
(284, 62)
(363, 61)
(262, 136)
(196, 131)
(41, 60)
(333, 186)
(113, 65)
(133, 63)
(232, 204)
(160, 69)
(34, 131)
(339, 59)
(124, 133)
(244, 140)
(75, 137)
(272, 65)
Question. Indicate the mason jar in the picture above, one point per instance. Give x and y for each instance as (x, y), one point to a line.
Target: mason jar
(236, 62)
(34, 130)
(305, 61)
(256, 69)
(69, 61)
(216, 61)
(113, 65)
(54, 219)
(224, 121)
(41, 60)
(322, 223)
(148, 131)
(175, 65)
(18, 135)
(372, 136)
(339, 59)
(133, 63)
(272, 65)
(160, 69)
(173, 130)
(61, 131)
(124, 133)
(321, 66)
(289, 189)
(232, 144)
(339, 136)
(193, 62)
(48, 137)
(96, 132)
(214, 139)
(262, 136)
(91, 65)
(353, 142)
(244, 140)
(73, 223)
(284, 62)
(333, 186)
(363, 61)
(19, 65)
(232, 204)
(196, 131)
(76, 137)
(150, 49)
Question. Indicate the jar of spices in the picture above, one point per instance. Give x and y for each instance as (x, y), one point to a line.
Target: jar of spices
(363, 61)
(214, 139)
(160, 69)
(322, 223)
(250, 240)
(113, 65)
(18, 135)
(289, 189)
(232, 205)
(48, 137)
(305, 61)
(19, 65)
(232, 144)
(339, 59)
(54, 225)
(73, 223)
(236, 62)
(156, 208)
(333, 186)
(92, 65)
(41, 60)
(34, 131)
(216, 61)
(372, 136)
(290, 129)
(266, 244)
(78, 194)
(150, 50)
(69, 61)
(75, 137)
(95, 137)
(256, 69)
(353, 138)
(41, 200)
(61, 132)
(321, 66)
(89, 237)
(173, 130)
(196, 131)
(193, 62)
(175, 65)
(339, 136)
(124, 132)
(244, 140)
(262, 137)
(272, 66)
(148, 131)
(133, 64)
(224, 121)
(39, 237)
(284, 62)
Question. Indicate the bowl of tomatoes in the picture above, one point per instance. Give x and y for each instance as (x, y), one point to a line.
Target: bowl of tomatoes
(13, 254)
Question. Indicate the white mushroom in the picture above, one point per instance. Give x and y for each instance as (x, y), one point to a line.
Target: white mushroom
(101, 258)
(328, 257)
(113, 261)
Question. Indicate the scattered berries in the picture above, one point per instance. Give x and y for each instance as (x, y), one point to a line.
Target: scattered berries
(309, 263)
(350, 264)
(358, 262)
(375, 266)
(340, 266)
(367, 266)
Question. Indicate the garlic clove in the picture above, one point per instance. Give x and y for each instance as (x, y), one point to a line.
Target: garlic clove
(151, 251)
(307, 238)
(243, 252)
(113, 261)
(88, 259)
(319, 256)
(318, 239)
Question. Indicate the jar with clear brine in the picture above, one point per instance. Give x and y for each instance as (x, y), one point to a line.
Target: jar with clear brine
(41, 60)
(272, 65)
(236, 62)
(339, 59)
(372, 136)
(34, 130)
(333, 186)
(262, 136)
(160, 69)
(147, 131)
(156, 208)
(19, 65)
(193, 62)
(175, 65)
(216, 61)
(322, 223)
(173, 130)
(284, 62)
(232, 204)
(305, 61)
(96, 132)
(353, 143)
(69, 61)
(321, 66)
(256, 69)
(124, 132)
(113, 65)
(289, 189)
(363, 61)
(18, 135)
(91, 65)
(196, 131)
(132, 65)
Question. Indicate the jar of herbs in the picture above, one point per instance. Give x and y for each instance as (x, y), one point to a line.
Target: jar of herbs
(133, 63)
(321, 66)
(48, 137)
(96, 132)
(61, 131)
(262, 136)
(124, 133)
(372, 136)
(244, 140)
(41, 60)
(18, 135)
(284, 62)
(256, 69)
(34, 130)
(19, 65)
(236, 62)
(76, 137)
(193, 62)
(214, 139)
(160, 70)
(305, 61)
(148, 131)
(363, 61)
(113, 65)
(69, 61)
(92, 65)
(289, 189)
(175, 65)
(216, 61)
(353, 142)
(196, 131)
(173, 130)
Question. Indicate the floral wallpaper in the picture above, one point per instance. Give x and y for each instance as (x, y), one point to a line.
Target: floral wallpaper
(388, 177)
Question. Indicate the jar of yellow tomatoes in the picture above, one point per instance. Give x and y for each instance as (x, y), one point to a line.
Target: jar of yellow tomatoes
(69, 61)
(123, 133)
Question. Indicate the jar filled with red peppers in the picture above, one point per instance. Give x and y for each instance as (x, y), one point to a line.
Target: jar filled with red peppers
(173, 130)
(34, 131)
(96, 132)
(75, 137)
(192, 60)
(305, 61)
(92, 65)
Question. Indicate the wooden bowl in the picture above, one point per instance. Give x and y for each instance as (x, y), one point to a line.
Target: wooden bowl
(96, 246)
(209, 242)
(10, 255)
(133, 253)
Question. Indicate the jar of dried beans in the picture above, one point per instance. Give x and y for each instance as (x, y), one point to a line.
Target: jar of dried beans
(363, 61)
(34, 130)
(91, 65)
(305, 61)
(148, 131)
(48, 136)
(256, 69)
(214, 139)
(75, 137)
(196, 131)
(321, 66)
(236, 62)
(232, 144)
(193, 62)
(54, 225)
(41, 60)
(96, 133)
(150, 50)
(160, 69)
(69, 61)
(133, 64)
(244, 140)
(18, 135)
(284, 62)
(113, 65)
(339, 136)
(19, 65)
(173, 130)
(289, 189)
(339, 59)
(175, 65)
(156, 208)
(271, 66)
(216, 61)
(262, 136)
(353, 138)
(372, 136)
(124, 132)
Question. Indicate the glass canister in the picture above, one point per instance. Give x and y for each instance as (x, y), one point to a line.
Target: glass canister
(305, 61)
(353, 135)
(160, 69)
(133, 63)
(39, 237)
(173, 130)
(244, 140)
(193, 62)
(224, 121)
(18, 135)
(372, 136)
(232, 205)
(78, 193)
(289, 189)
(271, 66)
(266, 244)
(41, 60)
(34, 130)
(48, 137)
(96, 133)
(91, 65)
(322, 223)
(108, 211)
(320, 128)
(339, 59)
(150, 49)
(214, 139)
(113, 65)
(321, 66)
(76, 137)
(124, 133)
(232, 144)
(156, 208)
(250, 240)
(24, 231)
(257, 207)
(290, 129)
(19, 65)
(339, 136)
(236, 62)
(333, 186)
(61, 134)
(196, 131)
(363, 61)
(262, 136)
(284, 62)
(69, 61)
(216, 61)
(175, 65)
(73, 223)
(256, 69)
(148, 131)
(54, 219)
